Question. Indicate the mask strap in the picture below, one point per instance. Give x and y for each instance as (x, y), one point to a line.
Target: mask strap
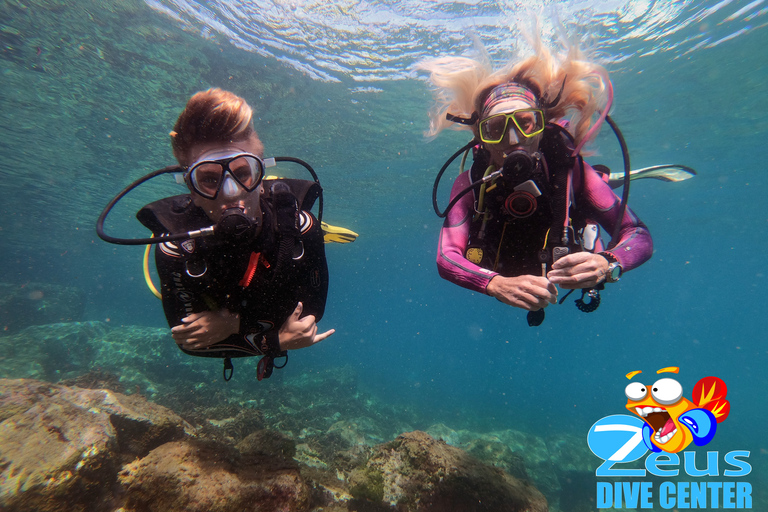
(554, 102)
(463, 120)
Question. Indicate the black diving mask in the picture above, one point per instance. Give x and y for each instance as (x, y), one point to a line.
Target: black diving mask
(207, 176)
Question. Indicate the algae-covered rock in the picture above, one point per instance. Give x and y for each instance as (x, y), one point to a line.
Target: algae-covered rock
(555, 466)
(418, 473)
(268, 442)
(52, 450)
(368, 485)
(61, 447)
(195, 476)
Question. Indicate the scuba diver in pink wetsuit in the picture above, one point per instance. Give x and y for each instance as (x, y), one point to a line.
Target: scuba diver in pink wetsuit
(525, 217)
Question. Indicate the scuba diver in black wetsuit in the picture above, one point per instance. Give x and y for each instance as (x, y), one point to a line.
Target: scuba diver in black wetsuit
(255, 282)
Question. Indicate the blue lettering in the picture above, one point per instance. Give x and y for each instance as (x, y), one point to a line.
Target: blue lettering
(743, 495)
(635, 493)
(729, 494)
(617, 438)
(646, 495)
(693, 495)
(606, 469)
(665, 501)
(698, 494)
(714, 487)
(744, 468)
(654, 460)
(690, 464)
(604, 495)
(631, 494)
(624, 495)
(682, 494)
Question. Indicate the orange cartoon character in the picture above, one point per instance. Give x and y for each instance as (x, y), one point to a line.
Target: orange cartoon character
(671, 421)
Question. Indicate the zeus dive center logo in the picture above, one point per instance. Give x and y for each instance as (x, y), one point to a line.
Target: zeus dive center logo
(664, 422)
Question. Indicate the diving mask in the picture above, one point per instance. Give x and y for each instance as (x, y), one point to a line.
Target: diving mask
(207, 177)
(529, 123)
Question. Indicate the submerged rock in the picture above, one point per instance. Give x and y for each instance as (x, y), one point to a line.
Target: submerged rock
(418, 473)
(561, 467)
(270, 443)
(72, 449)
(61, 447)
(195, 476)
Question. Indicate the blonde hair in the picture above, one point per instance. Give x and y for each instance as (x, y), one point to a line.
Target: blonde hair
(212, 116)
(461, 86)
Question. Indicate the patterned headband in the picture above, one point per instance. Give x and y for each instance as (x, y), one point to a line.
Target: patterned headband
(506, 92)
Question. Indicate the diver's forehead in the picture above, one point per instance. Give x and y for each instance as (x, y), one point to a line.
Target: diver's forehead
(221, 150)
(509, 105)
(219, 154)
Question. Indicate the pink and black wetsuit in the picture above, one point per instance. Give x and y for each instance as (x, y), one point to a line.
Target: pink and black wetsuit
(593, 201)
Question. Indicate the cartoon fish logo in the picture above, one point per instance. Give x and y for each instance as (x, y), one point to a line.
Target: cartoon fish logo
(671, 422)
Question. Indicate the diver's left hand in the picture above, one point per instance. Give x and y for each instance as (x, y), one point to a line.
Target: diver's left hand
(297, 332)
(579, 270)
(201, 330)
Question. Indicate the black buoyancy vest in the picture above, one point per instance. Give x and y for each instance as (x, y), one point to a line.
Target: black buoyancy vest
(518, 229)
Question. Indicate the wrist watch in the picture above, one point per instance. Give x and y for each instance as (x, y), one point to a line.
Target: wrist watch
(613, 274)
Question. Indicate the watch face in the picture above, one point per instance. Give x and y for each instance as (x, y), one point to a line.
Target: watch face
(614, 271)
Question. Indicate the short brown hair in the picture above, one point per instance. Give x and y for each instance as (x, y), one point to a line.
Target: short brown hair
(214, 116)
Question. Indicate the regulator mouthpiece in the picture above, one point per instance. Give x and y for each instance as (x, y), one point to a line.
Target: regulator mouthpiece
(518, 166)
(236, 226)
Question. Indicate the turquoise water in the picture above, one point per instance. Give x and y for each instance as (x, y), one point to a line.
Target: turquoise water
(91, 89)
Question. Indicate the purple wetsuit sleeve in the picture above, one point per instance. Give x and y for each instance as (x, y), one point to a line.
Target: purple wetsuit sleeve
(454, 236)
(635, 245)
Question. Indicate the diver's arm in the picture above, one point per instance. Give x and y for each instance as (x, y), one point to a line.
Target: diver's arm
(201, 330)
(454, 237)
(193, 325)
(525, 292)
(300, 329)
(635, 245)
(579, 270)
(300, 332)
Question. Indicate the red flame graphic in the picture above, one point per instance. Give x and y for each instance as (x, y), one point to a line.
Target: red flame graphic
(709, 393)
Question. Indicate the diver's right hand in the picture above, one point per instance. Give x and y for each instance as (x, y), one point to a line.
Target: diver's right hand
(526, 292)
(299, 332)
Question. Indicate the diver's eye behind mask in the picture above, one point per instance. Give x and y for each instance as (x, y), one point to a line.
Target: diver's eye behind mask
(206, 177)
(529, 122)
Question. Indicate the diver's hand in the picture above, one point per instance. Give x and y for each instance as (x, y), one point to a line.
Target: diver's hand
(201, 330)
(525, 292)
(579, 270)
(298, 332)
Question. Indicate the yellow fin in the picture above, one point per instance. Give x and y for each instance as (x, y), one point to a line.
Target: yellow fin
(337, 234)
